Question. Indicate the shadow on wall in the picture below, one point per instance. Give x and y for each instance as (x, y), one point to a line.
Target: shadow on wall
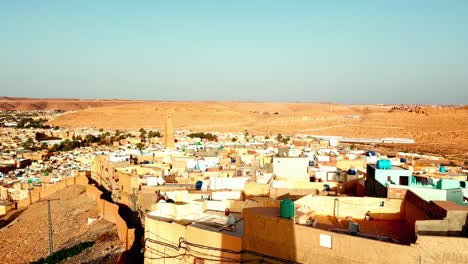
(414, 208)
(268, 237)
(132, 221)
(7, 219)
(134, 255)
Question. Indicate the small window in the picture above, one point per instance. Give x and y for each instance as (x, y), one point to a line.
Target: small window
(404, 180)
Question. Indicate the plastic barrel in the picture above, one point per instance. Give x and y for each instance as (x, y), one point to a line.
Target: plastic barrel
(287, 208)
(198, 185)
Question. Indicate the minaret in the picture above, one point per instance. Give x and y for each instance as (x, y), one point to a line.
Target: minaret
(169, 134)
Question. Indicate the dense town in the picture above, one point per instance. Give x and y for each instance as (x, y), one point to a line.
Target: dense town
(182, 196)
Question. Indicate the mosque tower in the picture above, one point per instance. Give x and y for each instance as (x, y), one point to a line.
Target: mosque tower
(169, 141)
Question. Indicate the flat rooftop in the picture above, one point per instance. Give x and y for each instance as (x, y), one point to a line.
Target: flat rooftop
(394, 167)
(396, 231)
(214, 221)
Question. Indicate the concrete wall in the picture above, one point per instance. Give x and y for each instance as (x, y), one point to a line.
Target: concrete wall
(167, 232)
(170, 233)
(433, 249)
(302, 243)
(47, 190)
(415, 209)
(355, 207)
(290, 168)
(450, 184)
(282, 193)
(256, 189)
(382, 175)
(429, 194)
(347, 164)
(6, 208)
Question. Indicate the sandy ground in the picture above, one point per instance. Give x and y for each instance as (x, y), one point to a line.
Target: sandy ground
(25, 239)
(443, 131)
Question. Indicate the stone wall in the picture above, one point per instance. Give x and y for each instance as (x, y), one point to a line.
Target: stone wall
(47, 190)
(110, 212)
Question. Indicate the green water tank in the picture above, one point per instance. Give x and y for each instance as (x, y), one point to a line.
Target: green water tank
(287, 208)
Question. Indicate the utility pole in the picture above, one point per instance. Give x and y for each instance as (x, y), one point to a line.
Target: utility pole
(51, 237)
(49, 222)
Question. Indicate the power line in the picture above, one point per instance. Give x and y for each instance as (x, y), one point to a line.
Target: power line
(187, 246)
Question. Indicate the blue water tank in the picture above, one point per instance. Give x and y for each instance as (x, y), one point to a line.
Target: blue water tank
(442, 169)
(370, 153)
(198, 185)
(351, 172)
(233, 160)
(311, 163)
(384, 164)
(403, 160)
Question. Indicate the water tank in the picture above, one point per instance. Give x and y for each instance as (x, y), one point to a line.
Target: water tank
(231, 220)
(442, 169)
(403, 160)
(198, 185)
(353, 227)
(351, 172)
(287, 208)
(370, 153)
(384, 164)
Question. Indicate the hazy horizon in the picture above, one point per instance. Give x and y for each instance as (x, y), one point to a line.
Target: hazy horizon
(221, 101)
(354, 52)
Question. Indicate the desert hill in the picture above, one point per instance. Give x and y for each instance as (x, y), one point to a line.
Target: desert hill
(432, 128)
(30, 104)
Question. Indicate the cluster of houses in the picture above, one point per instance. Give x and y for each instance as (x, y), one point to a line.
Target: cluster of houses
(261, 199)
(310, 199)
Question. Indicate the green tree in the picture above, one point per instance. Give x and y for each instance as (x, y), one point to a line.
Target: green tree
(142, 133)
(153, 134)
(139, 145)
(55, 148)
(28, 143)
(207, 136)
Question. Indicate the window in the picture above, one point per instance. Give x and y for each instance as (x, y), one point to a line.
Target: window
(404, 180)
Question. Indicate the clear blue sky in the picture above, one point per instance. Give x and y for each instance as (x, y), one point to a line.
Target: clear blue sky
(339, 51)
